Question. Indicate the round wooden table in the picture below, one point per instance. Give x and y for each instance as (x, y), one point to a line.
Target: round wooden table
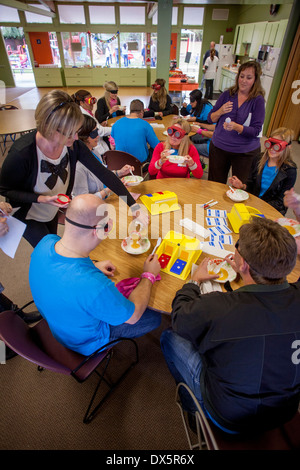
(191, 194)
(15, 121)
(166, 122)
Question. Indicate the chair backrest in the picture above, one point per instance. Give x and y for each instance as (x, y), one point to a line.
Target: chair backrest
(175, 109)
(38, 345)
(115, 159)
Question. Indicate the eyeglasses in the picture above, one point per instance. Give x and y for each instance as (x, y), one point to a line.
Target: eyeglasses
(278, 145)
(176, 132)
(90, 100)
(89, 227)
(94, 133)
(155, 86)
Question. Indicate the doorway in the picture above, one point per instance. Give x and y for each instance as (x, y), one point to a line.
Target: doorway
(18, 56)
(190, 52)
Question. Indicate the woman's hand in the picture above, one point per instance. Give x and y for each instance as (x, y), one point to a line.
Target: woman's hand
(125, 170)
(52, 200)
(233, 126)
(195, 128)
(184, 105)
(163, 157)
(5, 207)
(114, 109)
(201, 274)
(140, 214)
(191, 119)
(189, 161)
(226, 108)
(235, 182)
(106, 267)
(152, 265)
(292, 200)
(3, 227)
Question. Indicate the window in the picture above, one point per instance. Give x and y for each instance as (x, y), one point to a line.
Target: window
(193, 15)
(190, 51)
(105, 50)
(35, 18)
(76, 49)
(131, 48)
(9, 15)
(174, 17)
(71, 14)
(102, 15)
(132, 15)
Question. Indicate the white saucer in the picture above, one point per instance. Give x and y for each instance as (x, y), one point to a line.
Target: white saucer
(126, 246)
(226, 273)
(132, 180)
(237, 195)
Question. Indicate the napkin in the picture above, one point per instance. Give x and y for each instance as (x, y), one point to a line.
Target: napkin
(126, 286)
(210, 249)
(209, 286)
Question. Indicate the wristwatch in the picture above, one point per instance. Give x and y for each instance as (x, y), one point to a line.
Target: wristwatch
(191, 281)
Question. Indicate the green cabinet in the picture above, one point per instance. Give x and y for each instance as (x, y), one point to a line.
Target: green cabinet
(280, 33)
(47, 77)
(257, 39)
(270, 33)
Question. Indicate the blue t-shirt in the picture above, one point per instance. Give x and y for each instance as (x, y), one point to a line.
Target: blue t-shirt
(132, 136)
(77, 300)
(206, 108)
(267, 177)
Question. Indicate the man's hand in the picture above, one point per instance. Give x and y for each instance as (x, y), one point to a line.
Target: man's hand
(201, 274)
(106, 267)
(152, 265)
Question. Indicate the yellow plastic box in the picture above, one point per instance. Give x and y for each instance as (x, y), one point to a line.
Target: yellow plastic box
(160, 202)
(241, 214)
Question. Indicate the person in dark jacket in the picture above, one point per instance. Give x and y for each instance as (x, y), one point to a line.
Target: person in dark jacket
(40, 166)
(239, 351)
(109, 105)
(160, 103)
(273, 173)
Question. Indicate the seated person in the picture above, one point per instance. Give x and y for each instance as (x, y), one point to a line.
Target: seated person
(133, 135)
(160, 102)
(205, 132)
(198, 109)
(273, 173)
(86, 102)
(85, 181)
(178, 141)
(292, 200)
(109, 104)
(234, 350)
(83, 307)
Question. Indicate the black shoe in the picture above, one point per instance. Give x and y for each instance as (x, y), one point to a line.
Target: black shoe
(31, 317)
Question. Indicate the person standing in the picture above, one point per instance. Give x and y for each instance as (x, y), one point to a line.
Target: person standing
(207, 53)
(239, 115)
(210, 66)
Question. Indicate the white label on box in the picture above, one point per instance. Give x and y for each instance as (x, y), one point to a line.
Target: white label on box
(216, 213)
(215, 221)
(225, 239)
(222, 230)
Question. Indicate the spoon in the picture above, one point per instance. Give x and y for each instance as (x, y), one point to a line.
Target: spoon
(157, 245)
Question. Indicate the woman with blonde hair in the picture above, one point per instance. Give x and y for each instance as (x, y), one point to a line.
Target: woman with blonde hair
(177, 144)
(160, 103)
(109, 105)
(40, 166)
(274, 173)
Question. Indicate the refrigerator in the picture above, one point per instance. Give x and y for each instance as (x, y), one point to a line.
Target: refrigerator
(268, 69)
(226, 57)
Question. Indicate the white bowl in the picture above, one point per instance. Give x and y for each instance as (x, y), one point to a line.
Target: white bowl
(176, 159)
(237, 195)
(132, 180)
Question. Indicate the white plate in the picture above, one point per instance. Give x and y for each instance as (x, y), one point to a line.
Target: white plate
(176, 159)
(237, 195)
(291, 225)
(127, 246)
(132, 180)
(226, 273)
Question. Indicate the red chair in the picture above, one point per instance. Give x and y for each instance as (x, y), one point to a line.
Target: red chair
(210, 437)
(38, 345)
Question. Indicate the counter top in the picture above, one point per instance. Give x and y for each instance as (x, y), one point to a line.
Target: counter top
(231, 69)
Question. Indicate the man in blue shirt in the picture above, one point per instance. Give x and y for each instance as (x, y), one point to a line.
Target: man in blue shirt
(81, 304)
(133, 135)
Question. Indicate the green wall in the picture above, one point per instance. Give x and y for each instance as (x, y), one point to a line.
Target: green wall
(256, 13)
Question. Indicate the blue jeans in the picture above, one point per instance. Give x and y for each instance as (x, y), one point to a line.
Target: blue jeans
(148, 322)
(202, 149)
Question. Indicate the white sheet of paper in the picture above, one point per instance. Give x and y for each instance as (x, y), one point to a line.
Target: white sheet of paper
(10, 242)
(194, 227)
(214, 250)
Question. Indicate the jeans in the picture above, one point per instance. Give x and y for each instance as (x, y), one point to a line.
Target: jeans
(148, 322)
(184, 363)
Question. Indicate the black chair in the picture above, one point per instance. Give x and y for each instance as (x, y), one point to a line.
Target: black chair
(38, 345)
(115, 159)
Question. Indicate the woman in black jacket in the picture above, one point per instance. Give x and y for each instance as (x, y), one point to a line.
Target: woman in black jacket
(160, 103)
(41, 165)
(109, 105)
(274, 173)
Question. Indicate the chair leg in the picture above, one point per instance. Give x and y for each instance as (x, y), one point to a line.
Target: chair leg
(90, 414)
(205, 437)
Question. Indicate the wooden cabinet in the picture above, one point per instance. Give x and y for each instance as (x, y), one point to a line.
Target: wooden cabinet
(47, 77)
(78, 76)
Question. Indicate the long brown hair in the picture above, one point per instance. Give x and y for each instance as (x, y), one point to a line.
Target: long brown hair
(185, 143)
(256, 89)
(161, 94)
(285, 157)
